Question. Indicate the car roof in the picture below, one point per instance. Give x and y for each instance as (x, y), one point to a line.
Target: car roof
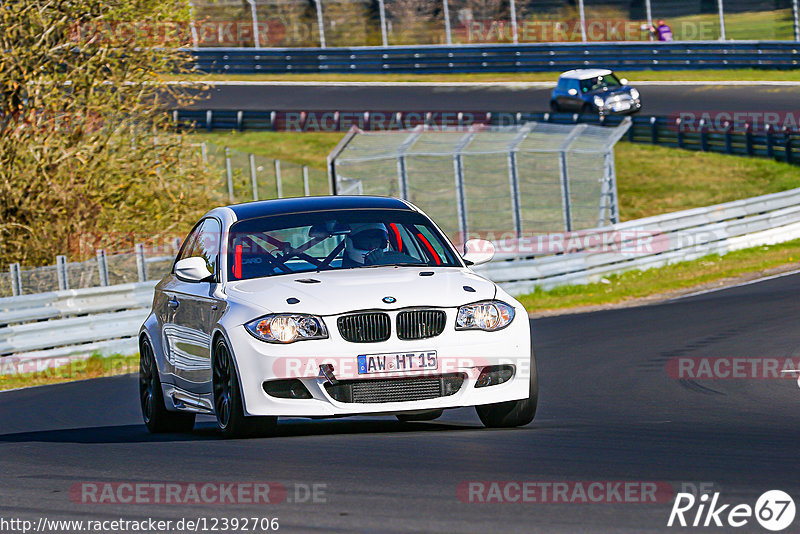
(287, 206)
(585, 74)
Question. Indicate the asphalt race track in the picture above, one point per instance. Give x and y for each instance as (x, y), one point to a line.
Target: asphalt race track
(608, 412)
(658, 99)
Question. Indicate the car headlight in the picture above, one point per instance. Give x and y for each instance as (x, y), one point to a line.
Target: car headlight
(599, 102)
(488, 316)
(287, 328)
(634, 93)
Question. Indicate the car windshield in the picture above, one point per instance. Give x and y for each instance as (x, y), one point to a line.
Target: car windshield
(346, 239)
(609, 81)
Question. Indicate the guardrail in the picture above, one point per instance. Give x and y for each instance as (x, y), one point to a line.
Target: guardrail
(536, 57)
(664, 131)
(650, 242)
(78, 323)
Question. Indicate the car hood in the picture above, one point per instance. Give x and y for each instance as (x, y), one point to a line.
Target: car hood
(341, 291)
(624, 90)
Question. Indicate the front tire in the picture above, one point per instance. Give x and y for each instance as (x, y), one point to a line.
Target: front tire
(156, 417)
(512, 413)
(228, 405)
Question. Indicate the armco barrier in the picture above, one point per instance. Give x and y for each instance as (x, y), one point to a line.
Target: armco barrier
(501, 58)
(75, 321)
(106, 319)
(664, 131)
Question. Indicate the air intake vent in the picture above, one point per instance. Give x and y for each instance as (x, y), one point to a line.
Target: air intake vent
(396, 389)
(365, 327)
(420, 324)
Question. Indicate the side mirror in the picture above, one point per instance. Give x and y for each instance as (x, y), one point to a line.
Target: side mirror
(624, 81)
(572, 92)
(192, 270)
(478, 251)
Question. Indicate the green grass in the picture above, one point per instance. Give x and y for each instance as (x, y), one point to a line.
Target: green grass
(653, 180)
(95, 366)
(639, 284)
(751, 25)
(302, 148)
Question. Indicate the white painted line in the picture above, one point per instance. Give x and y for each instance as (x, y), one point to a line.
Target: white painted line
(750, 282)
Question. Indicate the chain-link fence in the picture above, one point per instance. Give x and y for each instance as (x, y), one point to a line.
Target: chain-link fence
(311, 23)
(493, 181)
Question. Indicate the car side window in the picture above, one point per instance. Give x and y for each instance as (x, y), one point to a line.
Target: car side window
(204, 242)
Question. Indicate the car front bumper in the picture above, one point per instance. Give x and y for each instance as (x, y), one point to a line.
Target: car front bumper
(459, 352)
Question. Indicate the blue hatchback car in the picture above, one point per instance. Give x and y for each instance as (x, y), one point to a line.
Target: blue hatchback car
(594, 91)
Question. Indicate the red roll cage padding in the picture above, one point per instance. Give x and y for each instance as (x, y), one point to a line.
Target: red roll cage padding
(237, 262)
(397, 237)
(430, 249)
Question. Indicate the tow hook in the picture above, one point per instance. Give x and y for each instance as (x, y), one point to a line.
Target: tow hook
(326, 370)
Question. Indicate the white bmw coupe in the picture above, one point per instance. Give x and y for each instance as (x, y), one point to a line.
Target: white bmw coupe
(327, 307)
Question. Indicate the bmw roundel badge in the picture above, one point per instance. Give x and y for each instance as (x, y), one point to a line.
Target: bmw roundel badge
(389, 300)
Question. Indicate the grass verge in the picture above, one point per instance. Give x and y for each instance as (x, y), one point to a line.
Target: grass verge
(14, 375)
(709, 271)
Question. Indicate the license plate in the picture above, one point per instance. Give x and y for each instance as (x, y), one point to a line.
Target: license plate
(622, 106)
(397, 362)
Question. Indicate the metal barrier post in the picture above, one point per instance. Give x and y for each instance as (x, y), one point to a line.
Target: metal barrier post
(204, 152)
(721, 21)
(796, 18)
(141, 261)
(320, 24)
(654, 130)
(703, 135)
(382, 14)
(16, 279)
(461, 198)
(770, 141)
(102, 266)
(306, 185)
(447, 35)
(513, 177)
(278, 183)
(649, 10)
(728, 138)
(61, 272)
(583, 20)
(256, 41)
(253, 177)
(565, 200)
(229, 174)
(515, 200)
(514, 32)
(402, 177)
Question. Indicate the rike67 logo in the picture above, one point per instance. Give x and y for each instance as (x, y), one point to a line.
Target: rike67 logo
(774, 510)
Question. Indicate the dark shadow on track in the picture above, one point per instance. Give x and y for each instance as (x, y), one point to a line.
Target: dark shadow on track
(207, 431)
